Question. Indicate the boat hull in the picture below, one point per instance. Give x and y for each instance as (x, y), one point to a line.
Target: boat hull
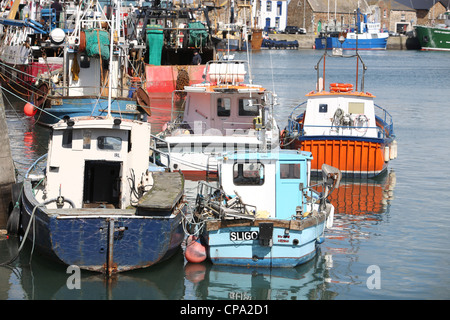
(98, 241)
(88, 106)
(166, 79)
(236, 243)
(350, 44)
(433, 39)
(354, 157)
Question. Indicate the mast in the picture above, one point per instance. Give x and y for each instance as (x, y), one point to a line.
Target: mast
(111, 51)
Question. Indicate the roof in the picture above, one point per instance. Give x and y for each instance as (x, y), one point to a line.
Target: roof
(342, 6)
(423, 4)
(284, 154)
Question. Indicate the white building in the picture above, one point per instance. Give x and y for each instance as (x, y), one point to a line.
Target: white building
(273, 14)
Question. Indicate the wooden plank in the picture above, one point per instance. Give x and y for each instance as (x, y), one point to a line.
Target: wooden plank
(167, 190)
(13, 11)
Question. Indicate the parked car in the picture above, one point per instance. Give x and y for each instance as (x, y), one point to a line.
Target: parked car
(294, 30)
(271, 30)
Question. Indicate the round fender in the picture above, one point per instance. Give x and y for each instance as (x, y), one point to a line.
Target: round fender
(195, 252)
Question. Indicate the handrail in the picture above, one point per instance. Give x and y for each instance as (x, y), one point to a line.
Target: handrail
(34, 164)
(155, 149)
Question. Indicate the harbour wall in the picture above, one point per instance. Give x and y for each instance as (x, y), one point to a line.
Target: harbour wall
(306, 41)
(7, 175)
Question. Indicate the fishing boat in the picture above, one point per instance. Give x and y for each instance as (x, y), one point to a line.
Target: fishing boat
(342, 126)
(435, 38)
(96, 202)
(99, 203)
(171, 33)
(95, 64)
(366, 36)
(234, 225)
(30, 37)
(223, 114)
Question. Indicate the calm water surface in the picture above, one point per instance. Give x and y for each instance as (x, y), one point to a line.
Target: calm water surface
(397, 225)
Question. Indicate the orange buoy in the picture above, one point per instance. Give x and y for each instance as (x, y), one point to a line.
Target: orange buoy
(29, 109)
(195, 252)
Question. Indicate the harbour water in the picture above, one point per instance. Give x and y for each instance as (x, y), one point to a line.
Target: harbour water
(390, 237)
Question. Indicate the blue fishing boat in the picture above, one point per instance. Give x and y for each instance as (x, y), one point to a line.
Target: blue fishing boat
(263, 213)
(96, 69)
(96, 202)
(366, 36)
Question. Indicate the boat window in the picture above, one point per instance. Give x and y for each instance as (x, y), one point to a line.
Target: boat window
(109, 143)
(87, 139)
(356, 107)
(323, 108)
(223, 107)
(67, 138)
(248, 107)
(290, 171)
(248, 174)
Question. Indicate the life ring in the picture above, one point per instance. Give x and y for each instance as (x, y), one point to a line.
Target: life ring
(143, 100)
(341, 87)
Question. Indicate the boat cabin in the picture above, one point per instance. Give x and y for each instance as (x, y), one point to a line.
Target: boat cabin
(224, 104)
(282, 177)
(93, 162)
(334, 113)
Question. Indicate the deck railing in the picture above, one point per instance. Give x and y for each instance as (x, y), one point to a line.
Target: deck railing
(385, 125)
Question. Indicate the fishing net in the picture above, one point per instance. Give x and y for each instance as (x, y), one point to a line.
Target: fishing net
(197, 34)
(155, 41)
(97, 43)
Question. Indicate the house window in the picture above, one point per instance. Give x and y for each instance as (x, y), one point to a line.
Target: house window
(279, 6)
(269, 6)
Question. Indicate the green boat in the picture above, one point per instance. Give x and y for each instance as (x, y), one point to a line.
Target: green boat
(435, 37)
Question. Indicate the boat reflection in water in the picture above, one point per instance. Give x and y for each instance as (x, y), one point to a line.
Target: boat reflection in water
(142, 284)
(304, 282)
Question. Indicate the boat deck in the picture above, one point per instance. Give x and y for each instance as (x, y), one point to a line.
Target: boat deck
(168, 188)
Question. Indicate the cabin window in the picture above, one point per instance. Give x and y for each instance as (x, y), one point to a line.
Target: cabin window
(356, 107)
(87, 139)
(248, 107)
(109, 143)
(223, 107)
(67, 138)
(323, 108)
(248, 174)
(290, 171)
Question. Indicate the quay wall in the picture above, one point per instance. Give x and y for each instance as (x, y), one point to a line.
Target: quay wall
(7, 175)
(306, 41)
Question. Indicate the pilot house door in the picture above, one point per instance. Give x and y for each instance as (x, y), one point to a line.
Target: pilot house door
(289, 176)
